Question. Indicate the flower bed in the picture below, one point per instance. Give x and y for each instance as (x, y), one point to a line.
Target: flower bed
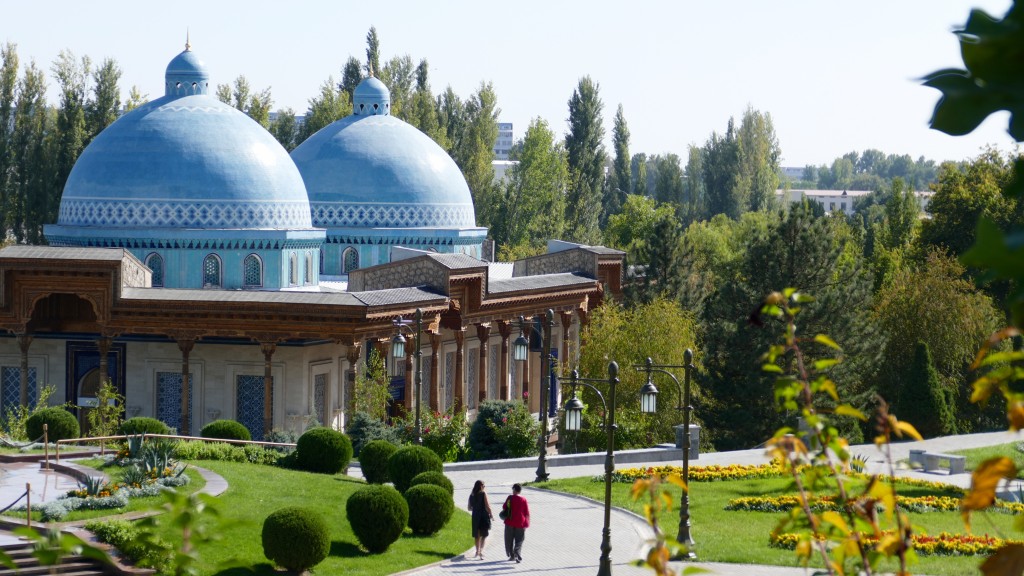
(787, 502)
(115, 496)
(942, 544)
(709, 473)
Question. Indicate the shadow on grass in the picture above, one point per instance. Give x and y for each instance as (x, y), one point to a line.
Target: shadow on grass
(264, 569)
(347, 550)
(350, 480)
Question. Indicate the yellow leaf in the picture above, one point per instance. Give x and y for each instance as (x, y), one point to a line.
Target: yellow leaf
(823, 339)
(888, 544)
(907, 428)
(1015, 414)
(847, 410)
(833, 518)
(638, 489)
(803, 549)
(677, 480)
(1007, 560)
(829, 387)
(883, 492)
(984, 481)
(983, 389)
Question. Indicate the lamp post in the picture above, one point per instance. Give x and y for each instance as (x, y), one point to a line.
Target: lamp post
(683, 404)
(545, 392)
(573, 420)
(398, 351)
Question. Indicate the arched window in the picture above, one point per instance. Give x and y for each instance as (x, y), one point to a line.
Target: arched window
(321, 261)
(252, 272)
(309, 267)
(211, 271)
(155, 262)
(293, 269)
(349, 260)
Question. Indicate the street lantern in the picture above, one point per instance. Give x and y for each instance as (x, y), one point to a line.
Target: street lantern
(520, 348)
(649, 398)
(573, 413)
(398, 346)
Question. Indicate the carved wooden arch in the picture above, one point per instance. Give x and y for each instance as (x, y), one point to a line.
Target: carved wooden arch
(61, 320)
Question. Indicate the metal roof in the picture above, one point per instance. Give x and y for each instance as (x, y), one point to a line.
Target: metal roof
(62, 253)
(522, 283)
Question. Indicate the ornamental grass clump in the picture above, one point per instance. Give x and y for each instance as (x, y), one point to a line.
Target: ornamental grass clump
(296, 538)
(408, 462)
(378, 515)
(435, 478)
(225, 430)
(430, 508)
(323, 450)
(374, 461)
(61, 424)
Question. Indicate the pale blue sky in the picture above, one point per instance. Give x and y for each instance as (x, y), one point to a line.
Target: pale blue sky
(835, 76)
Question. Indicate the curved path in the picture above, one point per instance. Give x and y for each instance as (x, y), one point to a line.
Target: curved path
(565, 533)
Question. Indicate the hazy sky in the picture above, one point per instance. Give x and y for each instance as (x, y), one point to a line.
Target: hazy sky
(835, 76)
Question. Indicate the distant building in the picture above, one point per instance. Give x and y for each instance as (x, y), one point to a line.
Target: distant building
(793, 172)
(842, 200)
(503, 144)
(501, 169)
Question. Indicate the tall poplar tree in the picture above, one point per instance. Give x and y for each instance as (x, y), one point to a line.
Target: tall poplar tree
(351, 76)
(372, 52)
(31, 158)
(475, 151)
(105, 104)
(332, 104)
(693, 185)
(8, 84)
(584, 145)
(758, 159)
(398, 75)
(451, 117)
(423, 112)
(70, 136)
(619, 184)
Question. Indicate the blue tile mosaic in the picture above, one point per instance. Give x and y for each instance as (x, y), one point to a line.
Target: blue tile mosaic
(168, 400)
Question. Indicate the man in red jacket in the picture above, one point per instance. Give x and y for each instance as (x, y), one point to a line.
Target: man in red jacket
(516, 523)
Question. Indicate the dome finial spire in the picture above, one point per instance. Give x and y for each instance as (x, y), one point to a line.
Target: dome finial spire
(188, 43)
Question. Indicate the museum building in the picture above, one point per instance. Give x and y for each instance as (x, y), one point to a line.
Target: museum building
(208, 274)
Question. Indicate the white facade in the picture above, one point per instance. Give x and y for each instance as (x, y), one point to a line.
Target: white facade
(842, 200)
(503, 144)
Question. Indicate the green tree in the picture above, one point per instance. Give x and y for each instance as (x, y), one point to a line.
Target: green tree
(622, 178)
(720, 159)
(135, 99)
(475, 152)
(661, 258)
(372, 52)
(633, 226)
(254, 104)
(693, 185)
(8, 85)
(626, 335)
(584, 145)
(758, 157)
(668, 188)
(638, 174)
(30, 157)
(451, 117)
(332, 104)
(69, 140)
(372, 388)
(398, 75)
(533, 204)
(351, 76)
(105, 418)
(423, 111)
(103, 108)
(285, 129)
(924, 400)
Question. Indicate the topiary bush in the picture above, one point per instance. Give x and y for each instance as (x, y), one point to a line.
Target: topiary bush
(323, 450)
(378, 516)
(143, 425)
(296, 538)
(225, 430)
(61, 424)
(409, 461)
(363, 429)
(435, 479)
(374, 461)
(430, 508)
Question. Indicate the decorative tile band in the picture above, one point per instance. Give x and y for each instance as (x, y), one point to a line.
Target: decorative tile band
(193, 214)
(390, 215)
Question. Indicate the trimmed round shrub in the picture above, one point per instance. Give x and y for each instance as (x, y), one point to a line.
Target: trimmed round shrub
(409, 461)
(225, 430)
(378, 515)
(296, 538)
(323, 450)
(435, 479)
(144, 425)
(60, 423)
(430, 508)
(374, 461)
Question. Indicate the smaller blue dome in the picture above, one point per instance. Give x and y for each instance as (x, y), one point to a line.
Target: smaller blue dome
(371, 98)
(186, 75)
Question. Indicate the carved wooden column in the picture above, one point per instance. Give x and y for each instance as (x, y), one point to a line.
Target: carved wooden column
(103, 343)
(24, 341)
(352, 355)
(584, 315)
(483, 333)
(459, 385)
(186, 345)
(435, 370)
(505, 330)
(563, 354)
(268, 349)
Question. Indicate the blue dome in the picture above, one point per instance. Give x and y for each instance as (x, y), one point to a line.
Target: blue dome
(186, 160)
(374, 170)
(371, 97)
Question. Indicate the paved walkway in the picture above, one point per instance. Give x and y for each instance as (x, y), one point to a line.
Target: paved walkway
(565, 535)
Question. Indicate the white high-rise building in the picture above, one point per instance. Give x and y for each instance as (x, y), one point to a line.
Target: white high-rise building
(503, 144)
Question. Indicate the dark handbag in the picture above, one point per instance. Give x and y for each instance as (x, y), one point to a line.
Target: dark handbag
(505, 510)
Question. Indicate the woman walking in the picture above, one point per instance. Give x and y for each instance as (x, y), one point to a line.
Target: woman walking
(516, 513)
(480, 509)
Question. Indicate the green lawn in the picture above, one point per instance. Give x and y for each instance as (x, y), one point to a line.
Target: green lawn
(742, 537)
(255, 491)
(975, 456)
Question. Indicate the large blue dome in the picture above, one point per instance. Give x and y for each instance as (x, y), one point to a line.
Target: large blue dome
(373, 170)
(184, 161)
